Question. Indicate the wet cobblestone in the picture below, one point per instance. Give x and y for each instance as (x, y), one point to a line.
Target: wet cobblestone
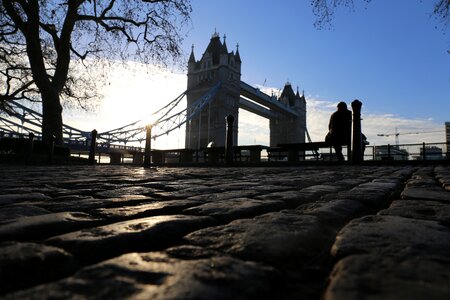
(305, 232)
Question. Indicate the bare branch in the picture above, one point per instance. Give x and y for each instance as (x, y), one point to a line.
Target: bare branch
(48, 48)
(442, 12)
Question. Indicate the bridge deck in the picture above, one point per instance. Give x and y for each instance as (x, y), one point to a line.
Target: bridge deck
(256, 95)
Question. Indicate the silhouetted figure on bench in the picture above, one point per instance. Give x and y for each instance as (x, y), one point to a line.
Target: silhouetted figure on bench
(340, 127)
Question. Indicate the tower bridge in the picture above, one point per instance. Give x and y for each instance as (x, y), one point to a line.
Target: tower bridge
(286, 114)
(214, 91)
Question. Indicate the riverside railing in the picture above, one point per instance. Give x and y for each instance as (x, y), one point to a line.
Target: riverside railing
(407, 152)
(249, 154)
(258, 154)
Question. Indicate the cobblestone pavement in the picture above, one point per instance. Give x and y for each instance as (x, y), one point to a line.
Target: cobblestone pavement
(336, 232)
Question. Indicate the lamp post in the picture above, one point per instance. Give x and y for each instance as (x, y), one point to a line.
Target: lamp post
(148, 146)
(93, 145)
(357, 135)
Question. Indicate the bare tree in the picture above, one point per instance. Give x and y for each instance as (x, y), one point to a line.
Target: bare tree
(324, 10)
(442, 11)
(43, 43)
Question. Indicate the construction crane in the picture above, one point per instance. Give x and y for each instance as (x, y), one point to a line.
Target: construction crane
(396, 134)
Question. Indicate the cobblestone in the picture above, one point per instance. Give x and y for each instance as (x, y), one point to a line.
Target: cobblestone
(305, 232)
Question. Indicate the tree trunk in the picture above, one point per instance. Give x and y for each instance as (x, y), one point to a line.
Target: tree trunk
(52, 117)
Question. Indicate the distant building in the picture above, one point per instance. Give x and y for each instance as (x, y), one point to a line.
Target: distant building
(431, 153)
(390, 153)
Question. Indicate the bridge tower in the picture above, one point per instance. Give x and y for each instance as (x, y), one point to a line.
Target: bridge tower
(216, 64)
(287, 129)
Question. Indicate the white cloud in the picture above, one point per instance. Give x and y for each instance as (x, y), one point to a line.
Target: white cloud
(409, 130)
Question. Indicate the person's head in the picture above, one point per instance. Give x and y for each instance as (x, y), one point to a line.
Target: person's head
(342, 106)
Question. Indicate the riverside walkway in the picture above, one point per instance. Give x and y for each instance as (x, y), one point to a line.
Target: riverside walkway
(303, 232)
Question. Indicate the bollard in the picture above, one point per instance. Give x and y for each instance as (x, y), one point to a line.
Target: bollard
(357, 136)
(91, 160)
(229, 141)
(148, 146)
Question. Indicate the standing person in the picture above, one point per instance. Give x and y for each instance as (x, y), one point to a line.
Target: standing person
(340, 128)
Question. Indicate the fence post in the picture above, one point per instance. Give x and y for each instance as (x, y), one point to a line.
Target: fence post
(148, 146)
(424, 154)
(389, 152)
(91, 160)
(229, 141)
(357, 137)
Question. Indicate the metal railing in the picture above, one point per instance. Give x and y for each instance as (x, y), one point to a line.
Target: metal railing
(408, 152)
(405, 152)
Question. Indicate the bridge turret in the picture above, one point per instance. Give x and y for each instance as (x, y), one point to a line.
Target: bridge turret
(285, 129)
(216, 64)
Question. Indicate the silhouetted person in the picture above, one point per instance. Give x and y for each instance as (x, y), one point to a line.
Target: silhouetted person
(365, 142)
(340, 128)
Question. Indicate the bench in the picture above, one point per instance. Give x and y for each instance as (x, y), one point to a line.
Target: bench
(250, 153)
(180, 155)
(293, 150)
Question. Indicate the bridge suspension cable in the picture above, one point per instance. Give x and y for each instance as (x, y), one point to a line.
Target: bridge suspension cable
(164, 121)
(30, 121)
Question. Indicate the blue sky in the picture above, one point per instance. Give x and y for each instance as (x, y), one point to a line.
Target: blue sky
(391, 55)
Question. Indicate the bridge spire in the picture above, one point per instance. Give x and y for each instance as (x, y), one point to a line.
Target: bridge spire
(192, 57)
(224, 49)
(215, 34)
(237, 56)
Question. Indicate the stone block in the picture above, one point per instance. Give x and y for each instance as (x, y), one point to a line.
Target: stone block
(92, 244)
(374, 194)
(9, 212)
(157, 275)
(419, 209)
(44, 226)
(334, 212)
(26, 264)
(232, 209)
(284, 237)
(25, 197)
(391, 235)
(384, 277)
(144, 210)
(433, 193)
